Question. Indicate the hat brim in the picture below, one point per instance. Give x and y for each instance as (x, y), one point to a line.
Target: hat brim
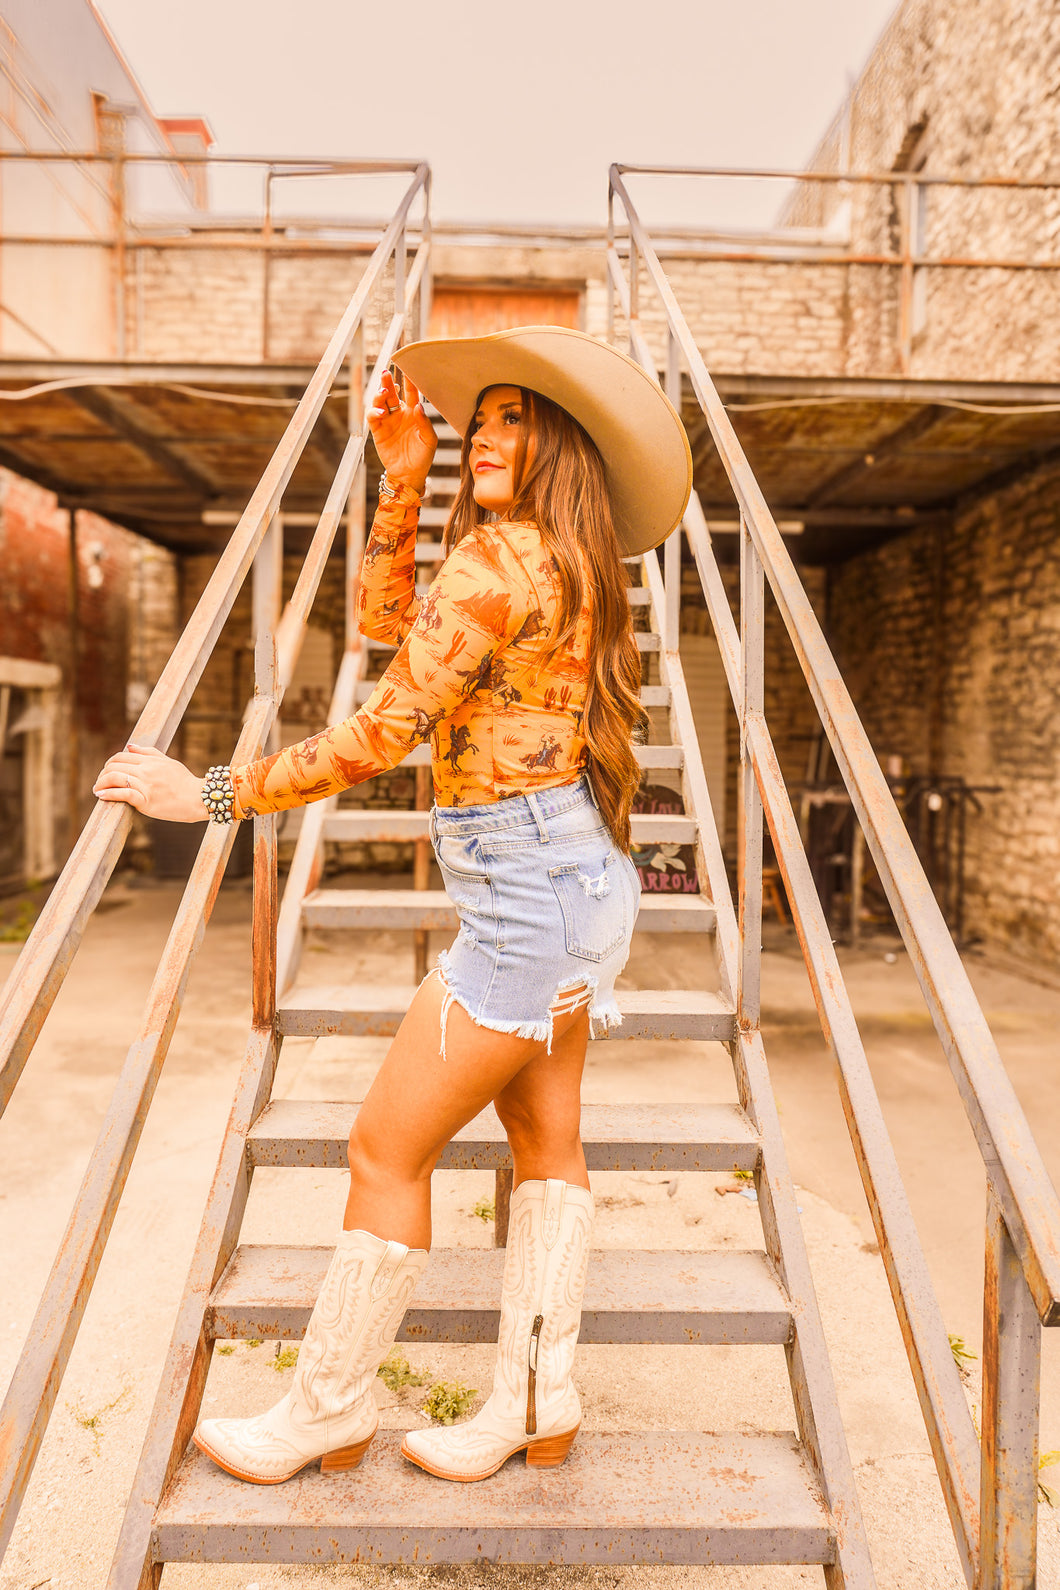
(631, 420)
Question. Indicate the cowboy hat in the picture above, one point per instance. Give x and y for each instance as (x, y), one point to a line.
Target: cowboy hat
(633, 423)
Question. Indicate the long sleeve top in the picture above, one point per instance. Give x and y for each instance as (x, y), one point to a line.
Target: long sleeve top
(472, 674)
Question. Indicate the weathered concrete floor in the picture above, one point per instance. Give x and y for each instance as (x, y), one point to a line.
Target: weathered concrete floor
(69, 1523)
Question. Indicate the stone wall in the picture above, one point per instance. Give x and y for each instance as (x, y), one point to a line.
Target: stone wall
(966, 91)
(209, 304)
(950, 649)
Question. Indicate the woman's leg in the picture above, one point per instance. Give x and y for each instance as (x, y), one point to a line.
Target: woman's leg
(534, 1404)
(540, 1110)
(418, 1101)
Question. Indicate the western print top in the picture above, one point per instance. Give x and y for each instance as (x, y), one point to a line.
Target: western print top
(472, 674)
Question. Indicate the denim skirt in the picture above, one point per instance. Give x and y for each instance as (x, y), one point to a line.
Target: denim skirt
(546, 904)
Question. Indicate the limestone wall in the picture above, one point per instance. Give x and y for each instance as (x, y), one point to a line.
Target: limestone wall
(950, 649)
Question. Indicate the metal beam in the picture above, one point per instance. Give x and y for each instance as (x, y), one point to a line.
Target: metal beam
(862, 389)
(732, 387)
(144, 372)
(124, 418)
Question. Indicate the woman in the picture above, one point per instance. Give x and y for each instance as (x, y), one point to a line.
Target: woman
(521, 666)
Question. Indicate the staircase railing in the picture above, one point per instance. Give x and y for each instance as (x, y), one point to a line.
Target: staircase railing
(256, 543)
(990, 1487)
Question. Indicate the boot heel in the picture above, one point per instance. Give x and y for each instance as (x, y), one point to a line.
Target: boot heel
(345, 1457)
(550, 1453)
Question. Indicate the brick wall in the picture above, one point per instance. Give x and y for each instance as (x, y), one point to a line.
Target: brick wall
(950, 649)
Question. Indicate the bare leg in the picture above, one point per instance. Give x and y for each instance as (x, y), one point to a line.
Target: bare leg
(418, 1100)
(540, 1109)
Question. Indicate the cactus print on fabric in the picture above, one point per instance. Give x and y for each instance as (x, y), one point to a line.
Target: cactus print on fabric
(472, 675)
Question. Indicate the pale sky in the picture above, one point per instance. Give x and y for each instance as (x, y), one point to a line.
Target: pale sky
(520, 107)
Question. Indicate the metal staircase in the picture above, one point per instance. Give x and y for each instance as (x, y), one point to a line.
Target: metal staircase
(735, 1498)
(775, 1496)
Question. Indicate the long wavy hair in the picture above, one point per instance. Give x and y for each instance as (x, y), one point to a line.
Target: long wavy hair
(561, 484)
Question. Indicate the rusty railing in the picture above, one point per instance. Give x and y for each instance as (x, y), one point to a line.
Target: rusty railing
(899, 226)
(256, 543)
(990, 1487)
(101, 189)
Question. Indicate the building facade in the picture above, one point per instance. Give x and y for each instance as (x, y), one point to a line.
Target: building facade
(885, 350)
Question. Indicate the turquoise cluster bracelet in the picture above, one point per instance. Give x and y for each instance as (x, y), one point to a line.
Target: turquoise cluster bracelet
(218, 796)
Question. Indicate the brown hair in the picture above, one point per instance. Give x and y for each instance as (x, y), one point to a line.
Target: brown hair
(561, 484)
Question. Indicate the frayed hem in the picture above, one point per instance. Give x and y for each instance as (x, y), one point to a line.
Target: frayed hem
(606, 1013)
(602, 1017)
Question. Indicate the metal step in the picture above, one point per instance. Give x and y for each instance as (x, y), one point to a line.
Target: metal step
(372, 1011)
(433, 518)
(659, 755)
(307, 1134)
(675, 1298)
(430, 908)
(647, 1497)
(398, 827)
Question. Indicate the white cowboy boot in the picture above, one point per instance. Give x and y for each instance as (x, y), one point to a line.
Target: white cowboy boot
(330, 1411)
(534, 1406)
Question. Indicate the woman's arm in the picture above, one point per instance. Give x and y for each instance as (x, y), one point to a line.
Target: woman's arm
(405, 441)
(387, 603)
(476, 606)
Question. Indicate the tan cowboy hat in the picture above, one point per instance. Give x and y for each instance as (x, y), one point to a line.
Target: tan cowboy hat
(633, 423)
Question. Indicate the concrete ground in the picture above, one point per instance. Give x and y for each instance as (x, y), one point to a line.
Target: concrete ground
(69, 1523)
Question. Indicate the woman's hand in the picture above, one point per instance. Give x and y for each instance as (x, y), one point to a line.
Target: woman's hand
(404, 437)
(157, 785)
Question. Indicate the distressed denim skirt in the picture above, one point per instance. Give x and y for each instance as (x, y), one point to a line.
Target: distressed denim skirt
(546, 904)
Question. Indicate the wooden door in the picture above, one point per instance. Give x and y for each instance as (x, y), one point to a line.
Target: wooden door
(475, 311)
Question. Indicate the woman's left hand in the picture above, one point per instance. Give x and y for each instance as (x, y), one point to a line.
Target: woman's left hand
(157, 785)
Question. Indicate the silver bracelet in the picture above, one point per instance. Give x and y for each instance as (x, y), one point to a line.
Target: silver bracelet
(218, 794)
(390, 490)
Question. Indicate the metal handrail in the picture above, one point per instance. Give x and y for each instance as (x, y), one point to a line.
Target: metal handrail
(51, 946)
(906, 256)
(1023, 1245)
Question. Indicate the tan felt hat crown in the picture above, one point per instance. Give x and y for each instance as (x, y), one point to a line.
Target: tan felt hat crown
(633, 423)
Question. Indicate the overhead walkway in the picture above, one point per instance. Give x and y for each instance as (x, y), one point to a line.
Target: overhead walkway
(764, 1496)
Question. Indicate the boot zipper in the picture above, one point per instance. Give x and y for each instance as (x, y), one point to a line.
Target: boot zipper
(531, 1379)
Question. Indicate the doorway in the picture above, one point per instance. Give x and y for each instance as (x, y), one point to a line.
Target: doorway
(459, 311)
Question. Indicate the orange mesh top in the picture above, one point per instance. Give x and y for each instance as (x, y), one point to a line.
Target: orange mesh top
(470, 674)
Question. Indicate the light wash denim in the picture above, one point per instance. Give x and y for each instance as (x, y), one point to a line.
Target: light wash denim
(546, 903)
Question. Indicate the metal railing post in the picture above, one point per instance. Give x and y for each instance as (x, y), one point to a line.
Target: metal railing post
(1012, 1346)
(400, 268)
(356, 512)
(634, 296)
(610, 251)
(267, 595)
(672, 545)
(905, 275)
(749, 865)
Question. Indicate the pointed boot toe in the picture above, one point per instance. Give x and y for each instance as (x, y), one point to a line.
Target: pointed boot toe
(330, 1412)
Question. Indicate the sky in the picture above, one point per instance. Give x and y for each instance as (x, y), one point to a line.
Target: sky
(520, 105)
